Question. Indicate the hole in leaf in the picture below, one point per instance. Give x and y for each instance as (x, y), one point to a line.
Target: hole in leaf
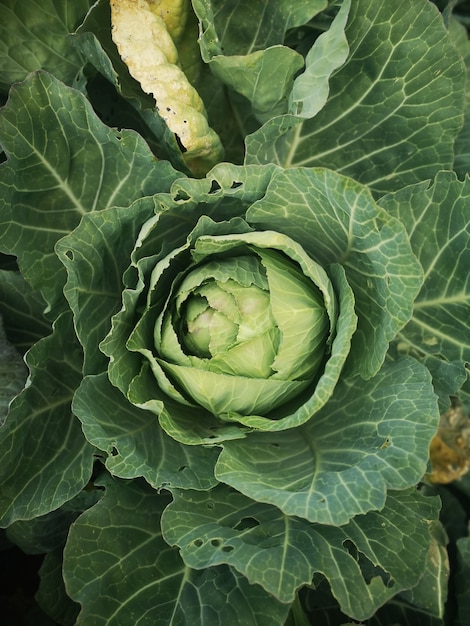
(69, 254)
(180, 144)
(385, 444)
(227, 548)
(236, 185)
(351, 548)
(181, 196)
(274, 444)
(246, 523)
(215, 542)
(198, 543)
(114, 451)
(368, 569)
(182, 468)
(215, 187)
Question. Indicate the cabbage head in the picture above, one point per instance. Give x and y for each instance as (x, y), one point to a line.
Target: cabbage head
(244, 305)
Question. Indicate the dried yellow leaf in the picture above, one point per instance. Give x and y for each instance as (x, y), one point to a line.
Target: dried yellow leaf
(147, 48)
(173, 12)
(450, 448)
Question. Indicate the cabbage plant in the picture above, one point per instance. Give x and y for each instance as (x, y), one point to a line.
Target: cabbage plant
(234, 295)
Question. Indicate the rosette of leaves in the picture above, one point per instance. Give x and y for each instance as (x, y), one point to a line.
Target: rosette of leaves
(256, 301)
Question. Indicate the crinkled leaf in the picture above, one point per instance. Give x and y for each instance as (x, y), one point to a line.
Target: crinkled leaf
(93, 40)
(143, 576)
(336, 221)
(146, 47)
(52, 461)
(371, 436)
(282, 553)
(395, 106)
(22, 309)
(35, 36)
(12, 374)
(65, 163)
(135, 443)
(437, 220)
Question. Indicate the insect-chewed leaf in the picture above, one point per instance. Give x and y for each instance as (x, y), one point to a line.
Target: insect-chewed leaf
(146, 46)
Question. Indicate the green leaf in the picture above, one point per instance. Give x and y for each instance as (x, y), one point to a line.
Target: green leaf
(370, 436)
(447, 379)
(459, 35)
(242, 43)
(264, 77)
(310, 90)
(51, 595)
(12, 374)
(430, 594)
(42, 534)
(51, 461)
(62, 163)
(366, 561)
(462, 580)
(22, 309)
(394, 108)
(35, 36)
(242, 26)
(47, 533)
(143, 576)
(135, 444)
(436, 218)
(336, 221)
(95, 255)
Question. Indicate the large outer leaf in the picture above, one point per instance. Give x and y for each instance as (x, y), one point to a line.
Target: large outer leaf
(62, 163)
(282, 553)
(44, 458)
(135, 444)
(437, 219)
(51, 595)
(127, 574)
(371, 436)
(22, 310)
(34, 35)
(459, 35)
(95, 255)
(394, 108)
(430, 594)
